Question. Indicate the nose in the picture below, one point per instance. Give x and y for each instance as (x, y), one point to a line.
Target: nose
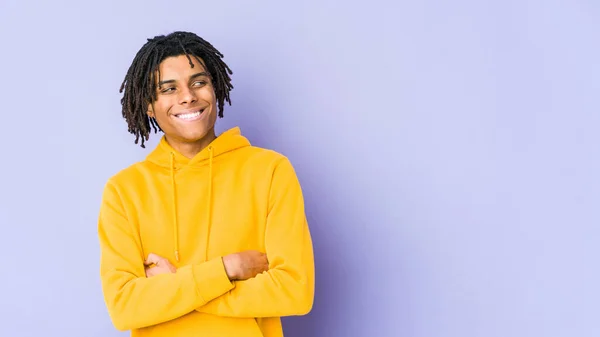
(187, 96)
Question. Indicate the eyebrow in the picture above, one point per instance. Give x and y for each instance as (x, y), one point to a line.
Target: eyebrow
(160, 84)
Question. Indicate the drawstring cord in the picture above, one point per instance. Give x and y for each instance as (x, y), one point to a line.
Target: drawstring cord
(175, 225)
(209, 201)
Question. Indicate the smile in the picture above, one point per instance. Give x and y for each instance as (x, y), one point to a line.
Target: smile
(190, 116)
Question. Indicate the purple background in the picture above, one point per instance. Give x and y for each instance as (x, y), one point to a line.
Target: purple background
(448, 152)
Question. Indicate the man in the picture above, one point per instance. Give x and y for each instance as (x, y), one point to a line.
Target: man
(207, 236)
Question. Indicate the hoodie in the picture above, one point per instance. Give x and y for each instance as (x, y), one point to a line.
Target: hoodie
(230, 197)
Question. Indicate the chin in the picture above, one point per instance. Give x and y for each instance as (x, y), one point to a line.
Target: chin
(193, 137)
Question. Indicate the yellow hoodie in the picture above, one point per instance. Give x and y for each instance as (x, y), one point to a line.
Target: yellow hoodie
(229, 198)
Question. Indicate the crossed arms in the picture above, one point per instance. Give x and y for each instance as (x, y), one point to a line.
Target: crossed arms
(135, 301)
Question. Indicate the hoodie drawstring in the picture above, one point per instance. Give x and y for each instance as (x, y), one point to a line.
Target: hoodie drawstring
(208, 204)
(209, 200)
(175, 224)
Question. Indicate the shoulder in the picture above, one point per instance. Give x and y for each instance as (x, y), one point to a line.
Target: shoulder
(126, 176)
(266, 158)
(276, 167)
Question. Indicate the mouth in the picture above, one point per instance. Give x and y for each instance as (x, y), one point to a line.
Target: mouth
(190, 115)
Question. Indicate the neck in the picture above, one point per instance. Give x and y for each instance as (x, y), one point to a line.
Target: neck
(191, 149)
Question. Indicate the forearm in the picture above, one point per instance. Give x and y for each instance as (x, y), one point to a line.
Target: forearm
(275, 293)
(137, 302)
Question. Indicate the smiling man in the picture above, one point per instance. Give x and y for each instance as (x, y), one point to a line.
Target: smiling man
(207, 236)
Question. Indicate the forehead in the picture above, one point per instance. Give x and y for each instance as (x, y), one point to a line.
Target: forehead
(178, 67)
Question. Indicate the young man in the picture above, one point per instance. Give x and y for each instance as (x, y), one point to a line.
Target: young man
(207, 236)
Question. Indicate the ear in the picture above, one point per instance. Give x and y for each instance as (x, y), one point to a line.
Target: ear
(150, 111)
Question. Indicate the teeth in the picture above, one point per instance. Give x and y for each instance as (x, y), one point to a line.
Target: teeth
(188, 116)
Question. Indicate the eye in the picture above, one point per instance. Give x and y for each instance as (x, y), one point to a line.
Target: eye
(199, 83)
(166, 90)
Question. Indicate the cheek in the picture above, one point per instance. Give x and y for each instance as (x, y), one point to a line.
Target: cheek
(161, 108)
(161, 116)
(208, 94)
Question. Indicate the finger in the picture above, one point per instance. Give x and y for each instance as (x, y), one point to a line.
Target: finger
(152, 259)
(262, 268)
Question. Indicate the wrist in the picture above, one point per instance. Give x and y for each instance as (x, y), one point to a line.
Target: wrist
(230, 269)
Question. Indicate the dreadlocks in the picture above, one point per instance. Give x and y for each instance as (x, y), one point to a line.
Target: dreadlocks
(140, 82)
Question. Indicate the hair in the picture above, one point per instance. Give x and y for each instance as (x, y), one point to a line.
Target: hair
(139, 86)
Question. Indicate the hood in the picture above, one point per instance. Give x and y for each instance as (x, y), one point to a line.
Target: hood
(165, 156)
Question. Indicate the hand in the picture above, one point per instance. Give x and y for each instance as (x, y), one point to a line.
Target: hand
(245, 265)
(161, 265)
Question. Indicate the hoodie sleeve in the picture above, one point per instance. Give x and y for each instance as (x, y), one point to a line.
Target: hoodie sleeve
(287, 289)
(134, 301)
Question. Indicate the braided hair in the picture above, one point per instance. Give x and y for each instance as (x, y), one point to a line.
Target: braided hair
(139, 86)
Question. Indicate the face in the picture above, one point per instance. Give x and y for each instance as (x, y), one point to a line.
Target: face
(185, 106)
